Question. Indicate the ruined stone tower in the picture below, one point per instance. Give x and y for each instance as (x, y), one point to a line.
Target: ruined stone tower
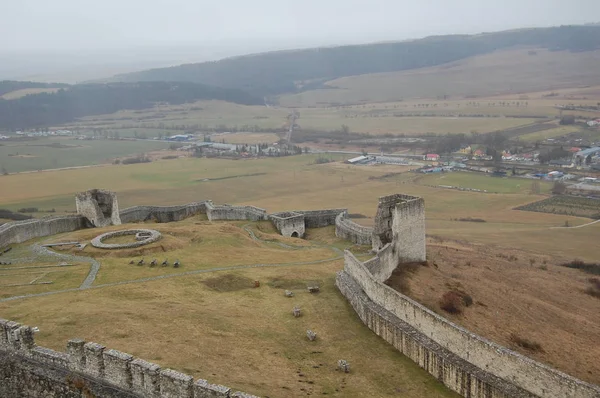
(99, 206)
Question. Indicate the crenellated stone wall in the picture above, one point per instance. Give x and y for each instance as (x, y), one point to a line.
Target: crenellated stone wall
(289, 223)
(465, 362)
(347, 229)
(89, 369)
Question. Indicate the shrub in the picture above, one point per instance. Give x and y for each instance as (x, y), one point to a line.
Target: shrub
(452, 302)
(526, 343)
(594, 290)
(322, 160)
(28, 210)
(469, 219)
(590, 268)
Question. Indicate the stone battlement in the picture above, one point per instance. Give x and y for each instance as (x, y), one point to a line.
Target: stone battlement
(91, 367)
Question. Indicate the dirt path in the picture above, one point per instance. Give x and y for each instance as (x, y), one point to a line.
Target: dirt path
(578, 226)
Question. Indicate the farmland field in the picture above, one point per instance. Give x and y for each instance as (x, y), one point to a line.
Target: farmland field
(567, 205)
(54, 153)
(296, 182)
(227, 336)
(507, 185)
(500, 73)
(393, 118)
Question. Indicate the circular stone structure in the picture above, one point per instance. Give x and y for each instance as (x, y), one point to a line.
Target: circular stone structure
(143, 237)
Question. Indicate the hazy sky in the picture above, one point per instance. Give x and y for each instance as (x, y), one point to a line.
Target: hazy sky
(104, 24)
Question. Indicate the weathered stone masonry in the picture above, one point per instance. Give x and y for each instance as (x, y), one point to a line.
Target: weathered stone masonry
(289, 223)
(466, 363)
(88, 369)
(349, 230)
(99, 206)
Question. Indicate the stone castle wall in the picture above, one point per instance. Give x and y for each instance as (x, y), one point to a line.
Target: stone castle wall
(89, 369)
(163, 214)
(465, 362)
(20, 231)
(320, 218)
(347, 229)
(289, 223)
(227, 212)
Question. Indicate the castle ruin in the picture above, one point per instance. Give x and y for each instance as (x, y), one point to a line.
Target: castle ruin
(465, 362)
(99, 206)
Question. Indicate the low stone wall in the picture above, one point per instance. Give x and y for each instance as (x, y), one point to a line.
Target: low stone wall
(289, 223)
(89, 369)
(524, 374)
(320, 218)
(150, 236)
(21, 231)
(227, 212)
(347, 229)
(163, 214)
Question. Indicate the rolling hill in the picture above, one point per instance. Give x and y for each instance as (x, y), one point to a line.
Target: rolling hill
(294, 71)
(71, 102)
(513, 71)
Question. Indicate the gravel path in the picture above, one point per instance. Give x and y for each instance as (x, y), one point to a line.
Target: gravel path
(94, 265)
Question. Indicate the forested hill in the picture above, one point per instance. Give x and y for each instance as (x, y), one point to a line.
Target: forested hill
(67, 104)
(7, 86)
(281, 72)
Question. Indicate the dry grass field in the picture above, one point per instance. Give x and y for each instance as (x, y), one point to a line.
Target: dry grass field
(200, 323)
(518, 296)
(503, 72)
(279, 184)
(173, 321)
(59, 152)
(393, 118)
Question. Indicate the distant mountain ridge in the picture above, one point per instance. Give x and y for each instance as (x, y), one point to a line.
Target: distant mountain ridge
(291, 71)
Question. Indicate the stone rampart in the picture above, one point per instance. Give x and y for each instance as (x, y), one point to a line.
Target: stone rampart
(320, 218)
(21, 231)
(347, 229)
(289, 223)
(88, 369)
(163, 214)
(454, 342)
(228, 212)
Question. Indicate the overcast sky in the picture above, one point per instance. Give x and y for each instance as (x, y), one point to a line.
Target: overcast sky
(108, 24)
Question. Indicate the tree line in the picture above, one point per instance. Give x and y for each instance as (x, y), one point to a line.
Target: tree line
(274, 73)
(68, 104)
